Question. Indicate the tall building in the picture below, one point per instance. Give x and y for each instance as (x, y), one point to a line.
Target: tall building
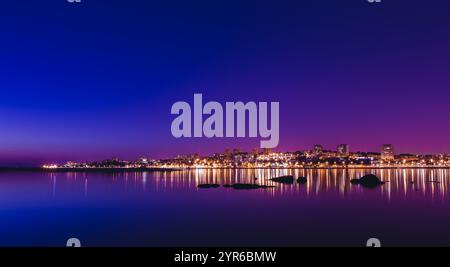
(267, 151)
(343, 150)
(387, 152)
(318, 149)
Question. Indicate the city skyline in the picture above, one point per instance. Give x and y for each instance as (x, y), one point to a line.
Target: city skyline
(341, 150)
(315, 157)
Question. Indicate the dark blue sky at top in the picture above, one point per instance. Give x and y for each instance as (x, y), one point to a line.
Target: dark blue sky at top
(97, 79)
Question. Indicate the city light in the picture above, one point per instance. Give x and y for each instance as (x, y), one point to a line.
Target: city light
(314, 158)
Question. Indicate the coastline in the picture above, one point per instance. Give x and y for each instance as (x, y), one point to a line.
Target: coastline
(155, 169)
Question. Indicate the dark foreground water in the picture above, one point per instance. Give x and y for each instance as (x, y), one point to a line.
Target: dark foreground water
(167, 208)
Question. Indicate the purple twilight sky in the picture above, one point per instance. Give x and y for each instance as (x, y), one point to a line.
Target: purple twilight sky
(98, 80)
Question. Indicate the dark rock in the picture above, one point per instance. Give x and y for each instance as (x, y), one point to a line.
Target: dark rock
(208, 185)
(288, 179)
(302, 180)
(247, 186)
(370, 181)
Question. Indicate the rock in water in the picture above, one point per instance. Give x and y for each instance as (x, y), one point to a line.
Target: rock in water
(288, 179)
(208, 185)
(302, 180)
(369, 181)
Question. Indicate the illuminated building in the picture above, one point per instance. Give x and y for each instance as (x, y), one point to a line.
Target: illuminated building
(318, 149)
(387, 152)
(343, 150)
(267, 151)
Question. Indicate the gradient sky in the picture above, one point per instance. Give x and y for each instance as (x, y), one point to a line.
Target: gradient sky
(94, 80)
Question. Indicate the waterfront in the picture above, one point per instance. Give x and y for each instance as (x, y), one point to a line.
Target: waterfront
(168, 209)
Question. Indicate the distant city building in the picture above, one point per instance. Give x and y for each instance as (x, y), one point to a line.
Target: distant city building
(343, 150)
(227, 153)
(267, 151)
(387, 152)
(318, 149)
(142, 160)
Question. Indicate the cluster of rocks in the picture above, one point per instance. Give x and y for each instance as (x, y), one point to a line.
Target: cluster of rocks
(289, 179)
(369, 181)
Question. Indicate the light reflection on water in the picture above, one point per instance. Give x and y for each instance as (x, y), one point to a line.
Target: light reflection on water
(168, 209)
(427, 182)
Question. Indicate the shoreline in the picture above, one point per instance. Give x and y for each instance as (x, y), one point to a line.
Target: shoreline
(155, 169)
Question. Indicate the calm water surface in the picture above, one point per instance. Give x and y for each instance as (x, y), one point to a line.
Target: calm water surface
(167, 208)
